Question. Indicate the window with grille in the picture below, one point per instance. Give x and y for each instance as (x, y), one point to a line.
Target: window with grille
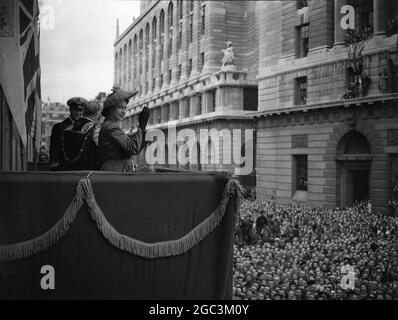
(302, 40)
(301, 172)
(301, 91)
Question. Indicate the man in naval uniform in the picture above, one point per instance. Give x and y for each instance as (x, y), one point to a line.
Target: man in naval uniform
(76, 108)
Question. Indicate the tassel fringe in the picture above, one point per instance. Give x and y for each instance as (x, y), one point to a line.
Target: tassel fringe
(84, 192)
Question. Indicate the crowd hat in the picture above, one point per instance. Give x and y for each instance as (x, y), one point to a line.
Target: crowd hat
(77, 103)
(116, 98)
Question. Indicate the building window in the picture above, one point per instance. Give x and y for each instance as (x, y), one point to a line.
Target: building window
(179, 39)
(135, 58)
(191, 28)
(130, 61)
(363, 15)
(180, 9)
(301, 4)
(170, 15)
(189, 67)
(301, 91)
(170, 75)
(154, 36)
(202, 60)
(203, 19)
(212, 100)
(141, 46)
(199, 108)
(170, 44)
(302, 41)
(250, 99)
(188, 108)
(179, 73)
(161, 26)
(161, 81)
(153, 84)
(162, 22)
(301, 172)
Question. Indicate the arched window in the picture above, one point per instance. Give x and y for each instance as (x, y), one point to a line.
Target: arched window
(154, 29)
(161, 21)
(130, 61)
(170, 14)
(203, 13)
(116, 66)
(120, 67)
(147, 33)
(141, 52)
(135, 62)
(180, 9)
(154, 36)
(125, 65)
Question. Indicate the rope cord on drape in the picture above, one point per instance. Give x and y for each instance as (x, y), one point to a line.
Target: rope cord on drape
(84, 192)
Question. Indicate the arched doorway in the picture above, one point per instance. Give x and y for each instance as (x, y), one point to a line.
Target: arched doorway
(354, 164)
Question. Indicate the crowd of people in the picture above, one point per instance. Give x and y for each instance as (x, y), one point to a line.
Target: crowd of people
(292, 251)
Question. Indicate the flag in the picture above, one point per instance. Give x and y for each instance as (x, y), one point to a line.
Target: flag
(20, 65)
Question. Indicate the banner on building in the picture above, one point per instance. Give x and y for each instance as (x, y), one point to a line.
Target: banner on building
(20, 65)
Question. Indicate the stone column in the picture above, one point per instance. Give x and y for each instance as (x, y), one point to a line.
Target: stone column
(338, 30)
(380, 17)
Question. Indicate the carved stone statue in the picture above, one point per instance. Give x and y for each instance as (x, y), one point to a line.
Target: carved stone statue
(228, 60)
(383, 81)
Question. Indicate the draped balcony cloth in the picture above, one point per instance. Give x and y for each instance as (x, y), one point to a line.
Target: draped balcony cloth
(93, 259)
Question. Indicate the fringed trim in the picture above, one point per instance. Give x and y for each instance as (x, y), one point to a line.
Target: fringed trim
(146, 250)
(34, 246)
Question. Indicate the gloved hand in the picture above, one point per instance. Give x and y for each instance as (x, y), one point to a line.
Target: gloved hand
(143, 118)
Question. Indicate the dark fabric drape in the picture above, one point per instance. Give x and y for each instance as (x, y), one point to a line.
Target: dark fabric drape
(151, 208)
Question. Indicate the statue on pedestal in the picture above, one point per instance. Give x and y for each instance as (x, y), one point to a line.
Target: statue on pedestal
(228, 61)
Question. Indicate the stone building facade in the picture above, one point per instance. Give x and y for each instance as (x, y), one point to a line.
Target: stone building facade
(172, 55)
(315, 80)
(327, 120)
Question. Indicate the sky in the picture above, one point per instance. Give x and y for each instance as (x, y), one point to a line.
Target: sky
(77, 38)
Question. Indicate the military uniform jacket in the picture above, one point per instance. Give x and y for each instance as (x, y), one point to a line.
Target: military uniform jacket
(55, 142)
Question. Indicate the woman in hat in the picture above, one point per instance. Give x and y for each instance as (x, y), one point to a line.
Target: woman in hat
(116, 147)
